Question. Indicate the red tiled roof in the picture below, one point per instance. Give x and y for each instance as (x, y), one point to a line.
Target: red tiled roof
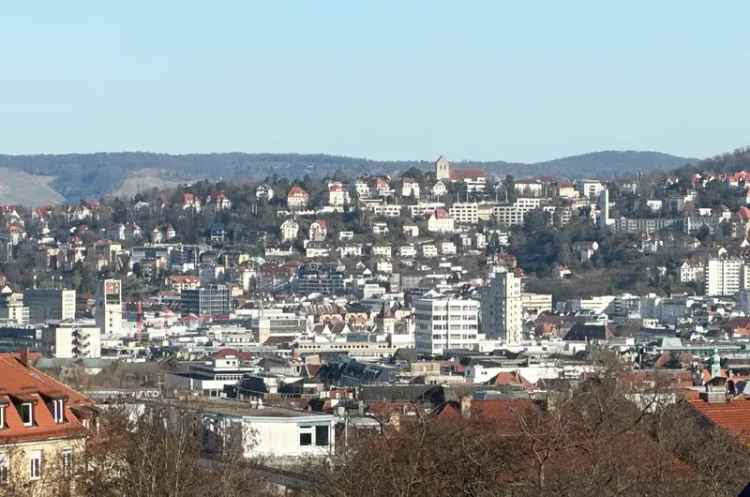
(733, 416)
(298, 191)
(20, 383)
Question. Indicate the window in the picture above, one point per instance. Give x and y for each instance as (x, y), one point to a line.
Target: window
(2, 417)
(58, 411)
(36, 465)
(26, 411)
(4, 468)
(67, 463)
(321, 435)
(305, 435)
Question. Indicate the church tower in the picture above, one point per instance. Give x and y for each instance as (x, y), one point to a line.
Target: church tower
(442, 169)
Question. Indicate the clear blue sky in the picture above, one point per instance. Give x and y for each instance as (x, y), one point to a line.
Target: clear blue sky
(520, 81)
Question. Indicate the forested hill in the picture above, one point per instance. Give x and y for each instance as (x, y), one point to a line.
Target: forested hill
(76, 176)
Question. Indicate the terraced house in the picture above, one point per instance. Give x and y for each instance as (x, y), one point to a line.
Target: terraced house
(43, 428)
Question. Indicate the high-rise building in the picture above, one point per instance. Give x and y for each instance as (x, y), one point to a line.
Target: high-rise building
(724, 276)
(502, 308)
(209, 300)
(604, 219)
(109, 308)
(13, 308)
(446, 323)
(50, 304)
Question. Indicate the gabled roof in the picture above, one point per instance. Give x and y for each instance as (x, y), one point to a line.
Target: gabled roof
(297, 191)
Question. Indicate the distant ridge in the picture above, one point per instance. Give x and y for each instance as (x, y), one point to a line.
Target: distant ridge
(76, 176)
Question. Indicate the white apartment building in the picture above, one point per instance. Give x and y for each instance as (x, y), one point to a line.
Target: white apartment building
(589, 188)
(724, 276)
(508, 215)
(465, 212)
(533, 304)
(446, 323)
(386, 210)
(73, 340)
(502, 308)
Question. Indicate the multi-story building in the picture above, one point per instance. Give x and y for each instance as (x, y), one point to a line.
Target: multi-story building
(502, 308)
(509, 215)
(47, 304)
(109, 308)
(589, 188)
(724, 276)
(12, 308)
(72, 340)
(465, 212)
(44, 429)
(289, 230)
(440, 222)
(273, 323)
(210, 300)
(323, 278)
(446, 323)
(692, 272)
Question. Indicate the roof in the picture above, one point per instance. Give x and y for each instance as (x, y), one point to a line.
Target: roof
(22, 383)
(733, 416)
(297, 190)
(469, 172)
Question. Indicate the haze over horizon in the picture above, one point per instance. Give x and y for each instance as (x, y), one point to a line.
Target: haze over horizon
(383, 80)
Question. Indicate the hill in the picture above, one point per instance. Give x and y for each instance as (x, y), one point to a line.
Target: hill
(18, 187)
(77, 176)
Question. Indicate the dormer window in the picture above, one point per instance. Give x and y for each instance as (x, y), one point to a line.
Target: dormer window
(26, 411)
(2, 416)
(58, 410)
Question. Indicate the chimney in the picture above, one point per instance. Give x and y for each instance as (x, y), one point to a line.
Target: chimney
(466, 406)
(25, 356)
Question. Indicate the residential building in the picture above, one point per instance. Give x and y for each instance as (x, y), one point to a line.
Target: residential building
(72, 340)
(446, 323)
(723, 276)
(323, 278)
(45, 426)
(297, 198)
(289, 230)
(272, 323)
(210, 300)
(216, 378)
(692, 271)
(502, 308)
(410, 188)
(47, 304)
(440, 222)
(465, 212)
(12, 307)
(338, 196)
(590, 188)
(318, 230)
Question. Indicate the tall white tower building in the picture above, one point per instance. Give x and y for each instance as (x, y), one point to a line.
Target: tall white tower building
(502, 315)
(109, 308)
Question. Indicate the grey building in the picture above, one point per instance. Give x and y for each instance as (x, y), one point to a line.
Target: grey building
(46, 304)
(210, 300)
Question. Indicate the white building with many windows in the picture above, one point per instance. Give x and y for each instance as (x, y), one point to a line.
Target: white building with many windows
(724, 276)
(502, 308)
(446, 323)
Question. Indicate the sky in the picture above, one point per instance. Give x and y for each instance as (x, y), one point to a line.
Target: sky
(495, 80)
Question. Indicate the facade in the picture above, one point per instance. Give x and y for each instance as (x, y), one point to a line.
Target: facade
(446, 323)
(465, 212)
(109, 308)
(13, 309)
(442, 169)
(297, 198)
(723, 276)
(273, 324)
(213, 379)
(280, 436)
(440, 222)
(210, 300)
(72, 340)
(47, 304)
(502, 308)
(45, 425)
(324, 278)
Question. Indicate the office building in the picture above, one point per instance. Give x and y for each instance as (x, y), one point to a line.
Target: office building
(50, 304)
(12, 308)
(502, 308)
(446, 323)
(323, 278)
(210, 300)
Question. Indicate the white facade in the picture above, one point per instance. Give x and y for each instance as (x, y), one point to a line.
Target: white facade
(442, 169)
(289, 230)
(73, 340)
(465, 212)
(724, 276)
(502, 308)
(109, 308)
(444, 324)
